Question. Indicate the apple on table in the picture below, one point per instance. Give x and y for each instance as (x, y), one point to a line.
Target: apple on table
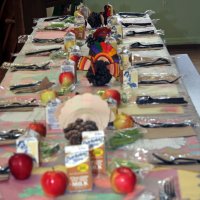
(54, 183)
(123, 121)
(123, 180)
(38, 127)
(47, 95)
(112, 93)
(20, 165)
(66, 79)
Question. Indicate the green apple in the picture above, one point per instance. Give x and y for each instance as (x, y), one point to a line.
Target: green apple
(47, 95)
(122, 121)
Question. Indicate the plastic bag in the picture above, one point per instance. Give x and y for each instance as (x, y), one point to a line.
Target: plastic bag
(123, 137)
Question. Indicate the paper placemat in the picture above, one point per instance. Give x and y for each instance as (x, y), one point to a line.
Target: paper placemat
(189, 183)
(49, 34)
(155, 133)
(134, 109)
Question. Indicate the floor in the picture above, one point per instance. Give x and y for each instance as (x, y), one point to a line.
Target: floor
(192, 50)
(2, 74)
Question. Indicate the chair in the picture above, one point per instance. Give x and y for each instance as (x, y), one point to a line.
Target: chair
(16, 18)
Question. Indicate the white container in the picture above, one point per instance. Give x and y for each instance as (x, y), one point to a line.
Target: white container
(69, 41)
(29, 144)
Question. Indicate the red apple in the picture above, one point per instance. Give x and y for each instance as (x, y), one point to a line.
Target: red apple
(66, 78)
(20, 165)
(123, 180)
(47, 95)
(38, 127)
(54, 183)
(122, 121)
(111, 93)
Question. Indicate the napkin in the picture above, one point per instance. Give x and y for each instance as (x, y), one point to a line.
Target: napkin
(155, 133)
(189, 184)
(30, 88)
(50, 34)
(134, 109)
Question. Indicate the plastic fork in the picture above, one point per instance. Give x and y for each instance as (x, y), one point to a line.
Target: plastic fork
(58, 18)
(11, 134)
(165, 125)
(56, 40)
(158, 61)
(136, 24)
(43, 51)
(169, 189)
(140, 45)
(141, 100)
(159, 81)
(131, 14)
(132, 33)
(4, 170)
(14, 87)
(4, 174)
(32, 67)
(176, 160)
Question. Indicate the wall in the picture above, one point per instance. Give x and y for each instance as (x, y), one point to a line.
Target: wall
(180, 19)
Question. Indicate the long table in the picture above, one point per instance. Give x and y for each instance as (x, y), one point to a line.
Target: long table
(172, 141)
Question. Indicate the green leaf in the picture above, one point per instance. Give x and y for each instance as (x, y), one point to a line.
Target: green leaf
(28, 192)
